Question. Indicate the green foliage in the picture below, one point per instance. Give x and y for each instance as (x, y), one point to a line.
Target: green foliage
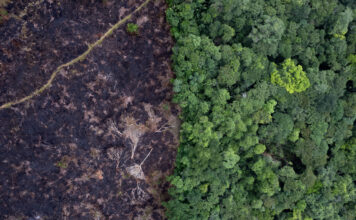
(291, 77)
(3, 11)
(230, 159)
(132, 28)
(267, 34)
(259, 149)
(63, 163)
(260, 140)
(228, 74)
(341, 24)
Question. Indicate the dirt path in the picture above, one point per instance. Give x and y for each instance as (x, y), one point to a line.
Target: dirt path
(98, 143)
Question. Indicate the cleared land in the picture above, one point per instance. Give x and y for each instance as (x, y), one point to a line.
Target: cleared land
(99, 142)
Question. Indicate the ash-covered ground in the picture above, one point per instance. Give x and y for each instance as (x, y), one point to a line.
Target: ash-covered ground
(99, 143)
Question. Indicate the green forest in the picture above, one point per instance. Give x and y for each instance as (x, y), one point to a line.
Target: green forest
(268, 98)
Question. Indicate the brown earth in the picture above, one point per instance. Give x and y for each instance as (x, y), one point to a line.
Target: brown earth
(100, 141)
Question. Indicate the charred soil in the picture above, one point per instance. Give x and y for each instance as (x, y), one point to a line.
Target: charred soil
(100, 141)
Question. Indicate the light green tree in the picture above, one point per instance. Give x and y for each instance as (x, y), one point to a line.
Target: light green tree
(291, 77)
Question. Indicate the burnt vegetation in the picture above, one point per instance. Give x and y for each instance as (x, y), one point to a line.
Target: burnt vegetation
(98, 143)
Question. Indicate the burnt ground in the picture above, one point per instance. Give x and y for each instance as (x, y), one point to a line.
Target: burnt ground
(78, 150)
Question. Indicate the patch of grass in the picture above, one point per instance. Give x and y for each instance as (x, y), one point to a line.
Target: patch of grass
(147, 213)
(132, 28)
(166, 107)
(63, 163)
(3, 14)
(125, 175)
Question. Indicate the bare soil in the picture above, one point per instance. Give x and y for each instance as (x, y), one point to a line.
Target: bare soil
(99, 143)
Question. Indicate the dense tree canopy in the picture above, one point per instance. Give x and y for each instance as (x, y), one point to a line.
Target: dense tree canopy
(268, 97)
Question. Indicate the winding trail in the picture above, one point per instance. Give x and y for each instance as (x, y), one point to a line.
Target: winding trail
(75, 60)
